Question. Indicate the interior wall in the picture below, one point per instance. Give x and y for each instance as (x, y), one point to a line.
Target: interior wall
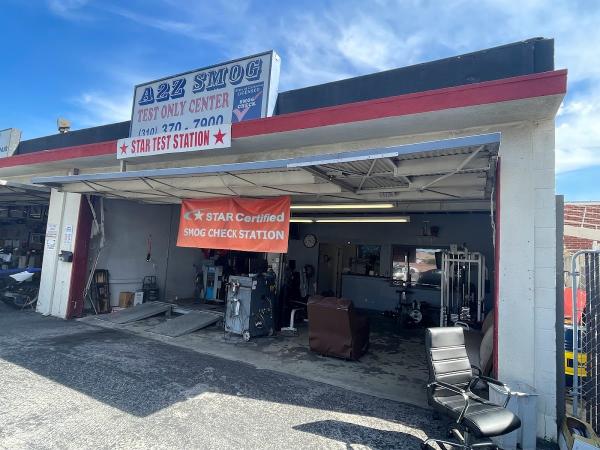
(180, 271)
(470, 229)
(128, 227)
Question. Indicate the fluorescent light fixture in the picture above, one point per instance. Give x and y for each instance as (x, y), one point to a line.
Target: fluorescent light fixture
(300, 220)
(343, 206)
(364, 219)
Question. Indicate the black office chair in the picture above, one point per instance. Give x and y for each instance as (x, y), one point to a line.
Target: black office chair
(449, 392)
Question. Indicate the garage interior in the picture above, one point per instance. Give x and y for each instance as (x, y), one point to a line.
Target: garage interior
(23, 218)
(369, 226)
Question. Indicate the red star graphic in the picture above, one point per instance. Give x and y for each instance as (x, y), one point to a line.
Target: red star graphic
(123, 149)
(219, 137)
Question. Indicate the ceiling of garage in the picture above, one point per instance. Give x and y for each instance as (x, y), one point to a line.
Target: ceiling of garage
(17, 194)
(451, 170)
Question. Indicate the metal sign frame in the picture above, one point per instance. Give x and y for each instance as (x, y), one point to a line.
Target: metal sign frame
(271, 85)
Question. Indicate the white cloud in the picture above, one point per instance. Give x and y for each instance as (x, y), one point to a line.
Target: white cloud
(310, 56)
(98, 108)
(189, 29)
(578, 132)
(368, 43)
(170, 26)
(355, 37)
(575, 158)
(68, 9)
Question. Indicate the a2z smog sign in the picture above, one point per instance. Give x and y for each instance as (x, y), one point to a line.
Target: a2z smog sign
(227, 93)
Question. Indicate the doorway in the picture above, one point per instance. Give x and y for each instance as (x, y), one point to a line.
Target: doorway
(330, 270)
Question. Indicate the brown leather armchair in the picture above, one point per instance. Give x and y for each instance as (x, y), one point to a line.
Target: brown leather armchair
(335, 328)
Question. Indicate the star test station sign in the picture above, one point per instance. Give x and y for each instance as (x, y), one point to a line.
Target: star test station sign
(194, 111)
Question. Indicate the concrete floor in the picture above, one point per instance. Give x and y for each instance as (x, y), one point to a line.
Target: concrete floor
(394, 367)
(68, 384)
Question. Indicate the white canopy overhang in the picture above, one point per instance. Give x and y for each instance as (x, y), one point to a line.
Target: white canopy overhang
(19, 194)
(450, 170)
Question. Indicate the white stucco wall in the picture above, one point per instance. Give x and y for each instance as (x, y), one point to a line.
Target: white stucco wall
(55, 282)
(527, 282)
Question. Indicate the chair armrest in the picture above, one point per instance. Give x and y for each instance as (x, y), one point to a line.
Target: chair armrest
(474, 378)
(298, 303)
(456, 389)
(495, 382)
(464, 325)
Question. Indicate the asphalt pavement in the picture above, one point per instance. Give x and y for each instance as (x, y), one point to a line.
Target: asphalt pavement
(68, 384)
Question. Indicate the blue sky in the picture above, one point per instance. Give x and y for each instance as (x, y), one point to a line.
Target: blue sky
(81, 58)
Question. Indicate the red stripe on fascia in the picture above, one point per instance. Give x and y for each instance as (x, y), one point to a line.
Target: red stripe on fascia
(516, 88)
(61, 154)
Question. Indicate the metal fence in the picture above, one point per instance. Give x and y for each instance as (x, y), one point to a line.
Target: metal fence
(585, 332)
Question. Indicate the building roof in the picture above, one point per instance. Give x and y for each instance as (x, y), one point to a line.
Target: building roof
(581, 225)
(583, 215)
(506, 61)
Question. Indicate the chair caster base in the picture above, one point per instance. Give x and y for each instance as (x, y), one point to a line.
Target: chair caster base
(486, 443)
(441, 444)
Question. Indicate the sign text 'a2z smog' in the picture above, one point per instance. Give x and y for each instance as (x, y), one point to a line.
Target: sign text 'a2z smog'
(234, 223)
(226, 93)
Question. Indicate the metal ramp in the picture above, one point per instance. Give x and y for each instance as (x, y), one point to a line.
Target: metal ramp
(138, 312)
(187, 323)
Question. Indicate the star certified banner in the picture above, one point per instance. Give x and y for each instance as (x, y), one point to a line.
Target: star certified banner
(254, 225)
(218, 136)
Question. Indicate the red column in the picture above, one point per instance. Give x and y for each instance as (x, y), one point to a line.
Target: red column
(80, 257)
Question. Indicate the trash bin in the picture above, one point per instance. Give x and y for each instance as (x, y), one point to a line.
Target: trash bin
(523, 403)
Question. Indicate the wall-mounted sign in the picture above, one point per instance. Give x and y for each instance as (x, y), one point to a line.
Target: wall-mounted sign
(50, 243)
(255, 225)
(51, 229)
(68, 236)
(226, 93)
(217, 136)
(9, 141)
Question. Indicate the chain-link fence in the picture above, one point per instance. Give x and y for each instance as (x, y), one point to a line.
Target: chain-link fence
(583, 344)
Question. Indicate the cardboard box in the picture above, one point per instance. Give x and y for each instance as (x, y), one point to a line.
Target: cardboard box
(126, 299)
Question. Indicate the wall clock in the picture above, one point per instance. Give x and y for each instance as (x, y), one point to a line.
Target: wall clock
(310, 240)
